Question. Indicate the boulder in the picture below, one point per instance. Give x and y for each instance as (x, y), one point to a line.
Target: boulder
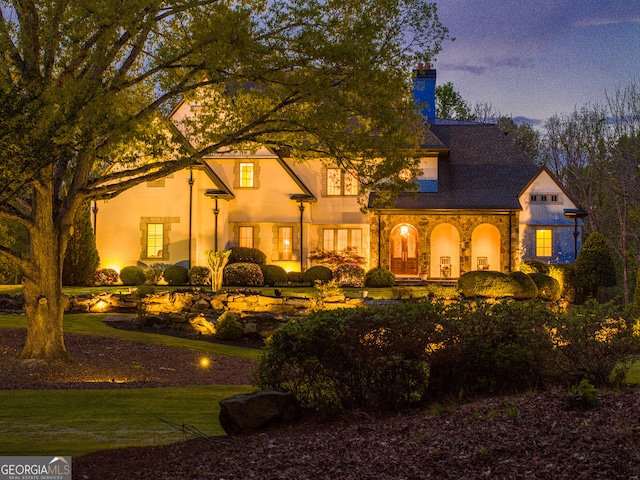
(250, 412)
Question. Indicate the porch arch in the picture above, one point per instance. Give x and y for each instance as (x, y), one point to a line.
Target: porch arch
(485, 247)
(445, 250)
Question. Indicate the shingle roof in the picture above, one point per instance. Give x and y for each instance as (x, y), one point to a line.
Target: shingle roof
(484, 170)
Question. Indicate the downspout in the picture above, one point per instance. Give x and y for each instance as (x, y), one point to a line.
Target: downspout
(94, 209)
(379, 238)
(216, 211)
(190, 212)
(301, 207)
(510, 240)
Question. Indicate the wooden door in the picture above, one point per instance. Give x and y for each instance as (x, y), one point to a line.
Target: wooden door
(404, 250)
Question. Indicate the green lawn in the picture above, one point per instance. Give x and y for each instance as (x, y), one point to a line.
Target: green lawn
(76, 422)
(92, 324)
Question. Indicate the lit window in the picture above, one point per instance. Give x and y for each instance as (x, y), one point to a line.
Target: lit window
(246, 175)
(155, 240)
(245, 237)
(285, 243)
(336, 239)
(340, 182)
(543, 243)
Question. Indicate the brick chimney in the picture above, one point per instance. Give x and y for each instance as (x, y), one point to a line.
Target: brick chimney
(424, 89)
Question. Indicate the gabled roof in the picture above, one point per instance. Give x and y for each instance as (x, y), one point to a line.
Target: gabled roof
(484, 170)
(566, 192)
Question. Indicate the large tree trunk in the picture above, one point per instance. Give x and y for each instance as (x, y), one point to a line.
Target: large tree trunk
(44, 300)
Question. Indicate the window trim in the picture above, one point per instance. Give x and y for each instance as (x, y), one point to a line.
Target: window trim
(237, 172)
(166, 236)
(343, 174)
(349, 230)
(541, 243)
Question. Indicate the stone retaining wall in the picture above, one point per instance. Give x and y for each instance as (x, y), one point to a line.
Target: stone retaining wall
(196, 311)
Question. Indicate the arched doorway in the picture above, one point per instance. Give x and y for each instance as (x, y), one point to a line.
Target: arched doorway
(404, 250)
(485, 247)
(445, 252)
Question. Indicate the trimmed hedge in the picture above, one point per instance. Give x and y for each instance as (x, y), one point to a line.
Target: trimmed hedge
(243, 275)
(274, 275)
(176, 275)
(318, 273)
(247, 255)
(481, 283)
(379, 277)
(548, 287)
(132, 275)
(199, 275)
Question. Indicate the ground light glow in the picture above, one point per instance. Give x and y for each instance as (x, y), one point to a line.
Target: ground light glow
(204, 362)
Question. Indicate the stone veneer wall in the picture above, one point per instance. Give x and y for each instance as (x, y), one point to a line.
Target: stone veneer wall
(506, 223)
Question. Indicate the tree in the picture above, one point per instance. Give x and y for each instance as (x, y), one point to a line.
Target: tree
(524, 135)
(594, 265)
(81, 259)
(450, 104)
(85, 88)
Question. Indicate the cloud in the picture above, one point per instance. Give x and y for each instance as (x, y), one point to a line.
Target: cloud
(602, 21)
(490, 63)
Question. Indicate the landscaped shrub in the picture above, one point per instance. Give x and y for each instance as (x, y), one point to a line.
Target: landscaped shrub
(228, 327)
(105, 276)
(349, 275)
(565, 274)
(596, 342)
(243, 274)
(481, 283)
(296, 278)
(199, 275)
(132, 275)
(482, 348)
(319, 272)
(526, 288)
(534, 266)
(176, 275)
(274, 275)
(81, 258)
(594, 266)
(548, 287)
(352, 358)
(247, 255)
(153, 274)
(379, 277)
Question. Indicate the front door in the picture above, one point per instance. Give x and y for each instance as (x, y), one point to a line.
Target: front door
(404, 250)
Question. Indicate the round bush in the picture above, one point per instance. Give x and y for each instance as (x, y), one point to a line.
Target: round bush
(318, 273)
(132, 275)
(526, 288)
(243, 275)
(106, 276)
(534, 266)
(153, 275)
(247, 255)
(548, 287)
(349, 275)
(295, 277)
(379, 277)
(176, 275)
(199, 275)
(228, 327)
(274, 275)
(487, 283)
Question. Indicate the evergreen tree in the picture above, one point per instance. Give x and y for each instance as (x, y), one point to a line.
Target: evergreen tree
(594, 265)
(81, 259)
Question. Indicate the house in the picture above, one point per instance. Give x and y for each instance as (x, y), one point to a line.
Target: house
(482, 204)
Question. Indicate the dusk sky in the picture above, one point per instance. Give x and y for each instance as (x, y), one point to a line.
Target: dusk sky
(536, 58)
